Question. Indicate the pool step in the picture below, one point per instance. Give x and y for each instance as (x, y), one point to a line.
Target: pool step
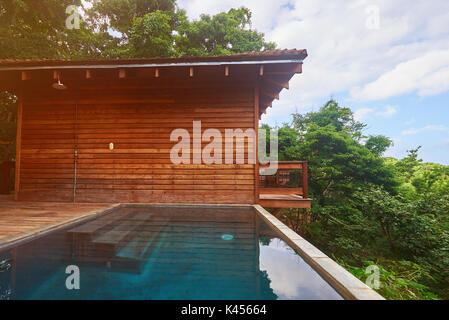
(100, 239)
(118, 237)
(99, 225)
(132, 257)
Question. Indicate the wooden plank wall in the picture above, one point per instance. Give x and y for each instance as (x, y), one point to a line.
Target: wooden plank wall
(47, 148)
(138, 120)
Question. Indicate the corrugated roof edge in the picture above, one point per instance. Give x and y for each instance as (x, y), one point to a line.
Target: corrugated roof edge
(250, 56)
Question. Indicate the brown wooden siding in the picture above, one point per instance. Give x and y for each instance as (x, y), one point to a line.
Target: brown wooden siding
(139, 122)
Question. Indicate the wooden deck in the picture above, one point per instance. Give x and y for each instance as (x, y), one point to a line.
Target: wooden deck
(20, 219)
(277, 191)
(284, 201)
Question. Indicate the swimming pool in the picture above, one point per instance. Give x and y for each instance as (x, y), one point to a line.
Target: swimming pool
(155, 252)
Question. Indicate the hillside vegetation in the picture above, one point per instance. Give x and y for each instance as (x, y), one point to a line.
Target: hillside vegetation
(371, 210)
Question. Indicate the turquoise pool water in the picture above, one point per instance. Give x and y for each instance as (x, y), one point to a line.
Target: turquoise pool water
(162, 253)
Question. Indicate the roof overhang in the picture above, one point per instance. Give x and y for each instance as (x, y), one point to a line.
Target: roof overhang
(271, 70)
(147, 65)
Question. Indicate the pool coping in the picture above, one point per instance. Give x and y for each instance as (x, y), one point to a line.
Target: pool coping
(345, 283)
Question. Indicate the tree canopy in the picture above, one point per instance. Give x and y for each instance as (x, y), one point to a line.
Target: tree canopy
(121, 29)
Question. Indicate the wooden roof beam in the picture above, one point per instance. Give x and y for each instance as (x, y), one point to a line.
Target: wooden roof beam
(282, 84)
(270, 94)
(297, 68)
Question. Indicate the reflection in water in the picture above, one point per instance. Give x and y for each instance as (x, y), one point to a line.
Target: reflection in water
(291, 277)
(163, 253)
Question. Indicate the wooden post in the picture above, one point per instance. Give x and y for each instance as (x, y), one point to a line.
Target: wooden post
(256, 130)
(305, 194)
(18, 145)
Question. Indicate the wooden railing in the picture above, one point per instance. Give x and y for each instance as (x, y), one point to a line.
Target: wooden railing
(290, 178)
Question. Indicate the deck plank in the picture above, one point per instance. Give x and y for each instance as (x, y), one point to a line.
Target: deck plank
(284, 201)
(18, 217)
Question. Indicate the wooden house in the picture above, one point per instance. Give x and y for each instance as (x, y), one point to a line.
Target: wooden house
(100, 130)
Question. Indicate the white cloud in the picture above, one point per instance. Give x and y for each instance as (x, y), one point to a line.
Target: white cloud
(431, 127)
(388, 112)
(363, 113)
(343, 53)
(428, 75)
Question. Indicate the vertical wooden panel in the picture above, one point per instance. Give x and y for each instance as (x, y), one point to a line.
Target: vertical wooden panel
(18, 144)
(304, 181)
(256, 129)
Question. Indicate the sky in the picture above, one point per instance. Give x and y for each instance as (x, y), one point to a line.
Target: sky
(388, 60)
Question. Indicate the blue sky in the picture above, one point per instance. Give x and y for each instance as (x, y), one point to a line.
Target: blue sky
(386, 59)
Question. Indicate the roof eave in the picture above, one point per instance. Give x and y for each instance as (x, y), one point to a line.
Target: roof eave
(148, 65)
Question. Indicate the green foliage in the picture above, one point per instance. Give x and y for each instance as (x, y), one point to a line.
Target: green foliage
(151, 36)
(224, 33)
(378, 144)
(121, 29)
(370, 208)
(37, 29)
(399, 282)
(120, 15)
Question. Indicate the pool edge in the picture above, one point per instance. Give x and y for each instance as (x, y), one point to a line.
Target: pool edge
(345, 283)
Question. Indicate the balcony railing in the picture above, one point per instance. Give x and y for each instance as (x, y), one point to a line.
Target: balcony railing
(290, 179)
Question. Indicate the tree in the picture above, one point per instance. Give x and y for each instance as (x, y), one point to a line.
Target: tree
(224, 33)
(329, 139)
(121, 29)
(37, 29)
(340, 118)
(151, 36)
(120, 15)
(408, 165)
(378, 144)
